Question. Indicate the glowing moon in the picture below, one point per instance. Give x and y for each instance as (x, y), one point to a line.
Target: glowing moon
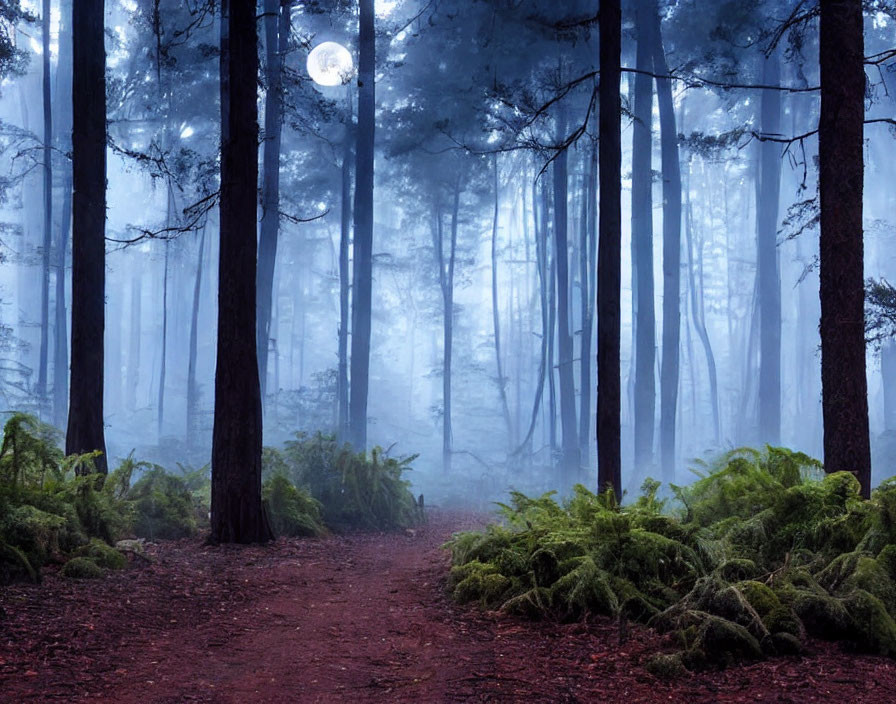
(330, 64)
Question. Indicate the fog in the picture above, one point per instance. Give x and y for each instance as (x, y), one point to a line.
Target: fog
(486, 122)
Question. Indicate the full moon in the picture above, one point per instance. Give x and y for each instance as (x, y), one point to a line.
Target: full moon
(330, 64)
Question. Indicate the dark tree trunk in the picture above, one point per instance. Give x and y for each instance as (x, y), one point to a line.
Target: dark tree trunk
(192, 386)
(642, 239)
(85, 416)
(609, 253)
(496, 314)
(552, 326)
(841, 170)
(236, 511)
(345, 227)
(570, 446)
(43, 361)
(670, 370)
(363, 266)
(768, 273)
(276, 33)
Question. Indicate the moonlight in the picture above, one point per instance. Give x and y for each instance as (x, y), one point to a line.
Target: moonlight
(330, 64)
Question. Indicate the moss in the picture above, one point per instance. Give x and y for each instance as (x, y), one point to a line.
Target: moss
(782, 644)
(874, 628)
(666, 666)
(15, 565)
(81, 568)
(103, 555)
(737, 569)
(34, 532)
(760, 597)
(823, 616)
(725, 642)
(637, 608)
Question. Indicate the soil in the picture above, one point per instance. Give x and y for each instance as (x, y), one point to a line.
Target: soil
(356, 618)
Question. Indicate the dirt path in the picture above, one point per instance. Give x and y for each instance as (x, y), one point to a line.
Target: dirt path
(362, 618)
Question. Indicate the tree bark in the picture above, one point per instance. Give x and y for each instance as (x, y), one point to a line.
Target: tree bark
(192, 386)
(163, 367)
(768, 272)
(609, 253)
(85, 418)
(841, 171)
(570, 441)
(276, 32)
(363, 226)
(496, 313)
(44, 354)
(236, 510)
(642, 238)
(588, 276)
(344, 281)
(671, 165)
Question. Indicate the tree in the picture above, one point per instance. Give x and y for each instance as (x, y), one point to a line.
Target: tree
(236, 509)
(276, 33)
(609, 252)
(43, 362)
(769, 276)
(85, 415)
(847, 445)
(671, 166)
(642, 241)
(362, 275)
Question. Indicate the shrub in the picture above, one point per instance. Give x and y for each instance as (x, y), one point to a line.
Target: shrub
(81, 568)
(163, 506)
(291, 511)
(763, 549)
(103, 555)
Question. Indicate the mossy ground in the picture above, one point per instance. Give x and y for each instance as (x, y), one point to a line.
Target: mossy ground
(763, 550)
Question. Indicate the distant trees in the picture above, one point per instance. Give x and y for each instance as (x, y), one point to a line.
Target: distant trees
(236, 510)
(841, 173)
(609, 252)
(85, 416)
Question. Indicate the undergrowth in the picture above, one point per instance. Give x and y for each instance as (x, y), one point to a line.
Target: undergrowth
(759, 552)
(355, 490)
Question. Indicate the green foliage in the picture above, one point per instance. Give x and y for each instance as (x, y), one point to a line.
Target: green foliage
(81, 568)
(103, 555)
(761, 550)
(291, 511)
(163, 506)
(355, 490)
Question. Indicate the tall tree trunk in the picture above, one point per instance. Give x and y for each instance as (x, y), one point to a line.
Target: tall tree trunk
(60, 341)
(695, 275)
(276, 33)
(670, 370)
(133, 373)
(570, 447)
(642, 238)
(345, 226)
(841, 171)
(363, 221)
(163, 368)
(609, 253)
(192, 386)
(768, 272)
(85, 417)
(236, 510)
(43, 361)
(552, 328)
(496, 313)
(588, 291)
(63, 136)
(448, 322)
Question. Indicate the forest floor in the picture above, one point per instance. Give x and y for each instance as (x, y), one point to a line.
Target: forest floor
(359, 618)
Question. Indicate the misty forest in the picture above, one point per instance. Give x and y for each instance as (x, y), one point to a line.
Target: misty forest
(448, 350)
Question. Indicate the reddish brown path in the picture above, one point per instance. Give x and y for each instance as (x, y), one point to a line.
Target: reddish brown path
(361, 618)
